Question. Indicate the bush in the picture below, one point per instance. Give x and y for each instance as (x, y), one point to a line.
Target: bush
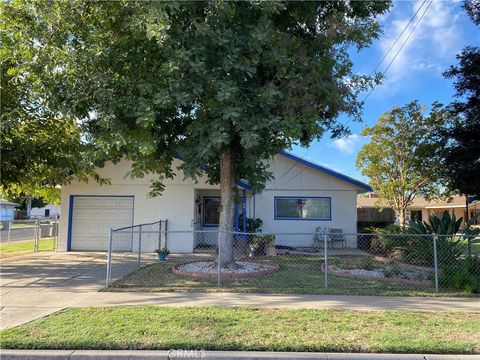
(463, 274)
(259, 243)
(388, 242)
(253, 225)
(367, 241)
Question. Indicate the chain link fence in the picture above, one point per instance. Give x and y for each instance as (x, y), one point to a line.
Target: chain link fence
(327, 261)
(29, 235)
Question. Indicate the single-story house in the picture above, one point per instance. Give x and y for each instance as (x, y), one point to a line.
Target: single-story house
(419, 210)
(50, 211)
(301, 197)
(7, 209)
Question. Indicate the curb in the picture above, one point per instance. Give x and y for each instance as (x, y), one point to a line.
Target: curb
(213, 355)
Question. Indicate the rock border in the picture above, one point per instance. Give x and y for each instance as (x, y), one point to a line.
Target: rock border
(391, 280)
(223, 276)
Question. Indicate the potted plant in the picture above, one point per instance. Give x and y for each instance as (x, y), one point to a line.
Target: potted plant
(260, 243)
(162, 253)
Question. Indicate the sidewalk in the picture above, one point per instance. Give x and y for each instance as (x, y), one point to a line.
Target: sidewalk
(18, 308)
(213, 355)
(41, 284)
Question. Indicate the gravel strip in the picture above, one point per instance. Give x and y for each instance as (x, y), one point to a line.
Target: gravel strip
(209, 267)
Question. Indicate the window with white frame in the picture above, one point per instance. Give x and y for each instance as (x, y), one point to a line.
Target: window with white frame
(302, 208)
(211, 211)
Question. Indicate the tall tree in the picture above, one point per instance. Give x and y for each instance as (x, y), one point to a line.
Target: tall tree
(461, 134)
(40, 148)
(225, 84)
(397, 161)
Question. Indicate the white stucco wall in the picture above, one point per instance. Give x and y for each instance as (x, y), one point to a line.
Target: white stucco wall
(303, 181)
(177, 203)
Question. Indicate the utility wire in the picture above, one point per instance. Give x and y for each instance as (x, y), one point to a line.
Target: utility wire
(383, 74)
(373, 72)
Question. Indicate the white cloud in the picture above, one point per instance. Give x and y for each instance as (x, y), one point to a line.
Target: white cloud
(435, 41)
(350, 144)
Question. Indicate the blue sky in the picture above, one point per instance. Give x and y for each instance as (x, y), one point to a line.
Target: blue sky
(415, 74)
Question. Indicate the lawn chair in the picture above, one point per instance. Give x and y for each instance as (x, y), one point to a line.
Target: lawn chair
(335, 236)
(319, 238)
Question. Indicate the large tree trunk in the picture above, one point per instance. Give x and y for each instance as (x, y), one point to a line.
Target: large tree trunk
(227, 210)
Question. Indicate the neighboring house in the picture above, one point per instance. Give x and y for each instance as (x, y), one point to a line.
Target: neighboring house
(51, 211)
(7, 210)
(302, 197)
(420, 209)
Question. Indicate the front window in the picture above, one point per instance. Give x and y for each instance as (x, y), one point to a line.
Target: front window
(303, 208)
(211, 211)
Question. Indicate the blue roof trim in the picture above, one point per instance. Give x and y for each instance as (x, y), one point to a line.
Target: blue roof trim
(240, 183)
(243, 185)
(326, 170)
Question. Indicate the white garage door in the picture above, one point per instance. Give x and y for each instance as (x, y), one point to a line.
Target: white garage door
(93, 217)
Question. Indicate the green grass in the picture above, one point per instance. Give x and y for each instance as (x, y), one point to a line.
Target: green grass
(297, 275)
(16, 248)
(216, 328)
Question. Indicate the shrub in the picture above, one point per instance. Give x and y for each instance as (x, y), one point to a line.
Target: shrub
(449, 245)
(253, 225)
(391, 271)
(463, 274)
(369, 240)
(259, 243)
(367, 264)
(388, 242)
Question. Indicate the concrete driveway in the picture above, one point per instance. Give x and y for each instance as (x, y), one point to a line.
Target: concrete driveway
(39, 284)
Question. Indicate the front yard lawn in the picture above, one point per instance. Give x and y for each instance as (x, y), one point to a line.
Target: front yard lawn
(297, 275)
(16, 248)
(217, 328)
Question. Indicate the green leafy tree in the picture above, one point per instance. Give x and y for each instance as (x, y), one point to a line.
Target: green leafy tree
(461, 134)
(224, 84)
(397, 161)
(40, 148)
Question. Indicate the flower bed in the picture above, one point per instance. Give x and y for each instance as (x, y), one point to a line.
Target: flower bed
(387, 271)
(208, 270)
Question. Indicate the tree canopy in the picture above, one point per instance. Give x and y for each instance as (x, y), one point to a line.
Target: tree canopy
(398, 160)
(224, 84)
(461, 134)
(40, 148)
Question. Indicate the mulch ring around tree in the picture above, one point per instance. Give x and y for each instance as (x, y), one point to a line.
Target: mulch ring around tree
(209, 270)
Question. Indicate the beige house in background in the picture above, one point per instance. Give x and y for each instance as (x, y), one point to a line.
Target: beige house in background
(421, 209)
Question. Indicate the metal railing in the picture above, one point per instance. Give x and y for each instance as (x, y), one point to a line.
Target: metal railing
(38, 231)
(306, 263)
(136, 239)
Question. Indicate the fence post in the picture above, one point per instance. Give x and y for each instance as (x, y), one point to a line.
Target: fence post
(57, 229)
(9, 229)
(109, 259)
(140, 248)
(165, 232)
(36, 236)
(219, 277)
(160, 235)
(325, 262)
(435, 260)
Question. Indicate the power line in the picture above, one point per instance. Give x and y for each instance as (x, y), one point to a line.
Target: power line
(383, 73)
(398, 38)
(374, 70)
